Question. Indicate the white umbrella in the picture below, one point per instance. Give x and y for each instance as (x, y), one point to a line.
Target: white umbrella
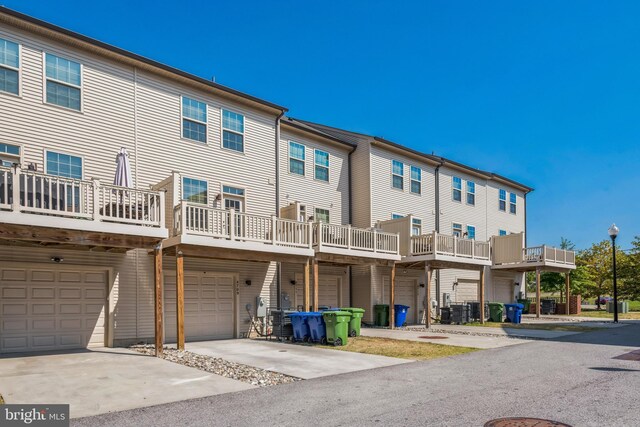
(123, 170)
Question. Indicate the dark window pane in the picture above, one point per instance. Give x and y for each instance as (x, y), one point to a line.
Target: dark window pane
(193, 130)
(398, 182)
(232, 141)
(9, 81)
(416, 187)
(322, 173)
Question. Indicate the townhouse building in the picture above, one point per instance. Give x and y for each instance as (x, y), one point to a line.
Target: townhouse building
(232, 207)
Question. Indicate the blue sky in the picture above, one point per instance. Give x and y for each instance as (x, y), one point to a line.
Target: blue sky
(544, 92)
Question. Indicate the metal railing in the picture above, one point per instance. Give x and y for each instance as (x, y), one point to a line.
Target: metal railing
(190, 218)
(38, 193)
(436, 243)
(356, 239)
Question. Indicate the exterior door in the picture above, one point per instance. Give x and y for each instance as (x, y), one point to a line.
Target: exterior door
(503, 290)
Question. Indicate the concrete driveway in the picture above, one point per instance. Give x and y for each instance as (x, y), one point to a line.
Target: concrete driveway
(104, 380)
(298, 360)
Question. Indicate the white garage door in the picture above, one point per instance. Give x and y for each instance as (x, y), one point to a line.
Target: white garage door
(208, 306)
(405, 295)
(329, 291)
(503, 290)
(51, 309)
(467, 290)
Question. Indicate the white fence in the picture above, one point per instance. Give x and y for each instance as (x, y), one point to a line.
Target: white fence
(436, 243)
(356, 239)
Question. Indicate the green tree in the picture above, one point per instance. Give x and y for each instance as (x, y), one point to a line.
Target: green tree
(598, 261)
(629, 272)
(555, 282)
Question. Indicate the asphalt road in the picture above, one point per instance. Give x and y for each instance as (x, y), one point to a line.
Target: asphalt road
(572, 379)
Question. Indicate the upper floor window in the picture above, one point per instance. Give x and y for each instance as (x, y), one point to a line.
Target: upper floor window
(194, 119)
(502, 200)
(9, 66)
(471, 232)
(416, 226)
(64, 80)
(233, 198)
(457, 229)
(471, 193)
(9, 154)
(457, 189)
(416, 180)
(65, 165)
(502, 232)
(512, 203)
(194, 190)
(321, 159)
(296, 158)
(233, 131)
(322, 215)
(396, 216)
(397, 175)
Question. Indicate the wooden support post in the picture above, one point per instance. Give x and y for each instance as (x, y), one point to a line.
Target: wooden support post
(180, 299)
(538, 304)
(481, 292)
(316, 283)
(306, 289)
(427, 297)
(392, 297)
(567, 291)
(158, 299)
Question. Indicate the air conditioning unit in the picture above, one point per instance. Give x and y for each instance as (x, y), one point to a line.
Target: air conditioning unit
(446, 299)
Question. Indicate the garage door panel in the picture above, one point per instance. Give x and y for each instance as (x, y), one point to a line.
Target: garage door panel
(71, 324)
(66, 293)
(95, 294)
(18, 325)
(43, 325)
(99, 278)
(43, 342)
(71, 308)
(70, 276)
(15, 309)
(43, 309)
(45, 293)
(14, 275)
(43, 276)
(15, 343)
(8, 293)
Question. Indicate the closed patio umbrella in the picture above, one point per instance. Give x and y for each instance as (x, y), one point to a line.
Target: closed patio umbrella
(123, 170)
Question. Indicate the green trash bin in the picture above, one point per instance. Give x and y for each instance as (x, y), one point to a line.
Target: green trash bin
(381, 312)
(527, 305)
(496, 311)
(337, 323)
(356, 319)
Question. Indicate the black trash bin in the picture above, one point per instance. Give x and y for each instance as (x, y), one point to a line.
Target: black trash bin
(548, 306)
(474, 308)
(460, 313)
(445, 315)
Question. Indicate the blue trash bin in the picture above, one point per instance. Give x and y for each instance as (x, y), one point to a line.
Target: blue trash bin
(513, 312)
(317, 327)
(300, 326)
(401, 315)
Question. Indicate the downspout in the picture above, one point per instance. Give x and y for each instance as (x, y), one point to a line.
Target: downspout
(278, 264)
(437, 190)
(350, 218)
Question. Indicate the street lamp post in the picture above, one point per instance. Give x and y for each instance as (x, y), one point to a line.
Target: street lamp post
(613, 233)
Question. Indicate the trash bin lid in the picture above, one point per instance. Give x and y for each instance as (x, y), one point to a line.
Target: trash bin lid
(353, 309)
(496, 304)
(313, 314)
(336, 313)
(401, 307)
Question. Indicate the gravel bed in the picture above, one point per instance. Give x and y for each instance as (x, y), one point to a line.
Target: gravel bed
(474, 334)
(248, 374)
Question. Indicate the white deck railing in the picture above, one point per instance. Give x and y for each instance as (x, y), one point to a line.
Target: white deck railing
(201, 220)
(441, 244)
(546, 254)
(356, 239)
(37, 193)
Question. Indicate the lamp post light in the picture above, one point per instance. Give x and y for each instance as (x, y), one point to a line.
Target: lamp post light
(613, 233)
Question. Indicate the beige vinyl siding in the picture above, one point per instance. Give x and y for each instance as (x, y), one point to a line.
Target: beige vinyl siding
(332, 195)
(361, 186)
(388, 200)
(296, 272)
(460, 212)
(361, 290)
(503, 220)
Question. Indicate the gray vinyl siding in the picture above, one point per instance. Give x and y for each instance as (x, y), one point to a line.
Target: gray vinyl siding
(332, 195)
(361, 186)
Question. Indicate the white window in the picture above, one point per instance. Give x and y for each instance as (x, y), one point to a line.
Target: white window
(512, 203)
(9, 154)
(322, 215)
(471, 232)
(502, 200)
(194, 119)
(416, 226)
(194, 190)
(502, 232)
(416, 180)
(397, 216)
(456, 189)
(233, 131)
(296, 158)
(65, 165)
(9, 67)
(457, 229)
(321, 160)
(233, 198)
(397, 175)
(471, 193)
(63, 82)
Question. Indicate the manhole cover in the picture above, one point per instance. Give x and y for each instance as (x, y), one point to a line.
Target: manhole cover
(433, 337)
(524, 422)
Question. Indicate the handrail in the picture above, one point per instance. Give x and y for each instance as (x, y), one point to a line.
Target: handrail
(545, 253)
(356, 239)
(435, 243)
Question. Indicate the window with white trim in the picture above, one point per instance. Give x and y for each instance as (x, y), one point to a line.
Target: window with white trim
(416, 226)
(502, 232)
(512, 203)
(64, 165)
(232, 131)
(9, 154)
(321, 161)
(397, 216)
(456, 229)
(471, 232)
(233, 198)
(9, 67)
(397, 175)
(416, 180)
(296, 158)
(194, 119)
(502, 200)
(471, 193)
(63, 82)
(322, 215)
(194, 190)
(456, 188)
(67, 166)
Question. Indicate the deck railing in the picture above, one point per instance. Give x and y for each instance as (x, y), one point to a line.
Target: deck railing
(442, 244)
(548, 254)
(190, 218)
(37, 193)
(356, 239)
